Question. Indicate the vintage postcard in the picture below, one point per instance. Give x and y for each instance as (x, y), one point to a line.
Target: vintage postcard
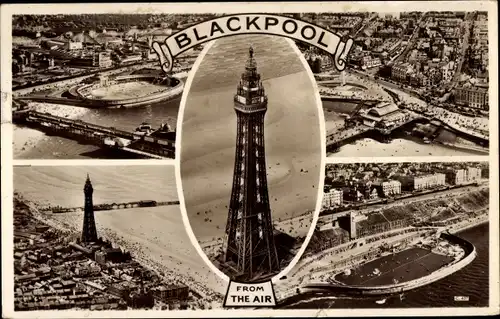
(293, 159)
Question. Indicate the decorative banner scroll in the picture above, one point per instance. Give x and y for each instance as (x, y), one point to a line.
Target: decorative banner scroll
(252, 24)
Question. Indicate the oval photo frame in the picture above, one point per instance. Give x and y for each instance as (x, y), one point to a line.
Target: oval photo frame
(183, 143)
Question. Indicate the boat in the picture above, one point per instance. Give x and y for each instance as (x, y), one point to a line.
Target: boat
(380, 302)
(143, 129)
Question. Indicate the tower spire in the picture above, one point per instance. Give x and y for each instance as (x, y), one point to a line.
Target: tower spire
(251, 63)
(89, 232)
(249, 240)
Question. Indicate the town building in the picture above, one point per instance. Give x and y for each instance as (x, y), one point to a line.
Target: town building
(472, 96)
(392, 187)
(418, 79)
(368, 62)
(421, 182)
(429, 181)
(333, 198)
(473, 174)
(101, 59)
(463, 176)
(171, 292)
(400, 72)
(384, 114)
(115, 255)
(456, 177)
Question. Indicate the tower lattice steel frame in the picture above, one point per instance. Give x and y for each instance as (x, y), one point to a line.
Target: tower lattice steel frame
(89, 232)
(249, 242)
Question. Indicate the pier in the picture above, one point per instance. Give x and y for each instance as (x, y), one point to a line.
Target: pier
(114, 206)
(338, 139)
(147, 146)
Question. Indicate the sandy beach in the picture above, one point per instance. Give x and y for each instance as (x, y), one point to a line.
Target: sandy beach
(398, 147)
(155, 235)
(292, 137)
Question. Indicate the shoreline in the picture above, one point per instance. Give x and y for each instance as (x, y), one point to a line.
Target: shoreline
(471, 151)
(390, 289)
(211, 297)
(288, 292)
(25, 139)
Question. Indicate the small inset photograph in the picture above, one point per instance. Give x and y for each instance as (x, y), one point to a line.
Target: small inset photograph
(416, 84)
(251, 155)
(397, 235)
(105, 238)
(85, 89)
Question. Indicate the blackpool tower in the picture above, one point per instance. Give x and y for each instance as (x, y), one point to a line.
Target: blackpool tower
(249, 246)
(89, 232)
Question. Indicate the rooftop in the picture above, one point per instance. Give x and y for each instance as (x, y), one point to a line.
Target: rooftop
(382, 109)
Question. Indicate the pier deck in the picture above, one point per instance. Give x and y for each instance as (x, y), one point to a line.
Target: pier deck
(147, 146)
(114, 206)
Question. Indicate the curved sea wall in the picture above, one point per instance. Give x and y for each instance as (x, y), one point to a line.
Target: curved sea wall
(470, 255)
(83, 93)
(338, 82)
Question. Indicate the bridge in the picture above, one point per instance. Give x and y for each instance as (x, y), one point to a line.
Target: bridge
(148, 146)
(113, 206)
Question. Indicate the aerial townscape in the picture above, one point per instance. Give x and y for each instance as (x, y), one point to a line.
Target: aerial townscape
(410, 232)
(74, 75)
(390, 228)
(59, 268)
(350, 184)
(416, 84)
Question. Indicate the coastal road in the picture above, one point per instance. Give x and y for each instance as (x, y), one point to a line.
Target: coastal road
(364, 25)
(443, 194)
(412, 40)
(467, 21)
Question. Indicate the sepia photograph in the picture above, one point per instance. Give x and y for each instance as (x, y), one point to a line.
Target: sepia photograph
(89, 86)
(104, 238)
(251, 154)
(207, 159)
(416, 84)
(398, 235)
